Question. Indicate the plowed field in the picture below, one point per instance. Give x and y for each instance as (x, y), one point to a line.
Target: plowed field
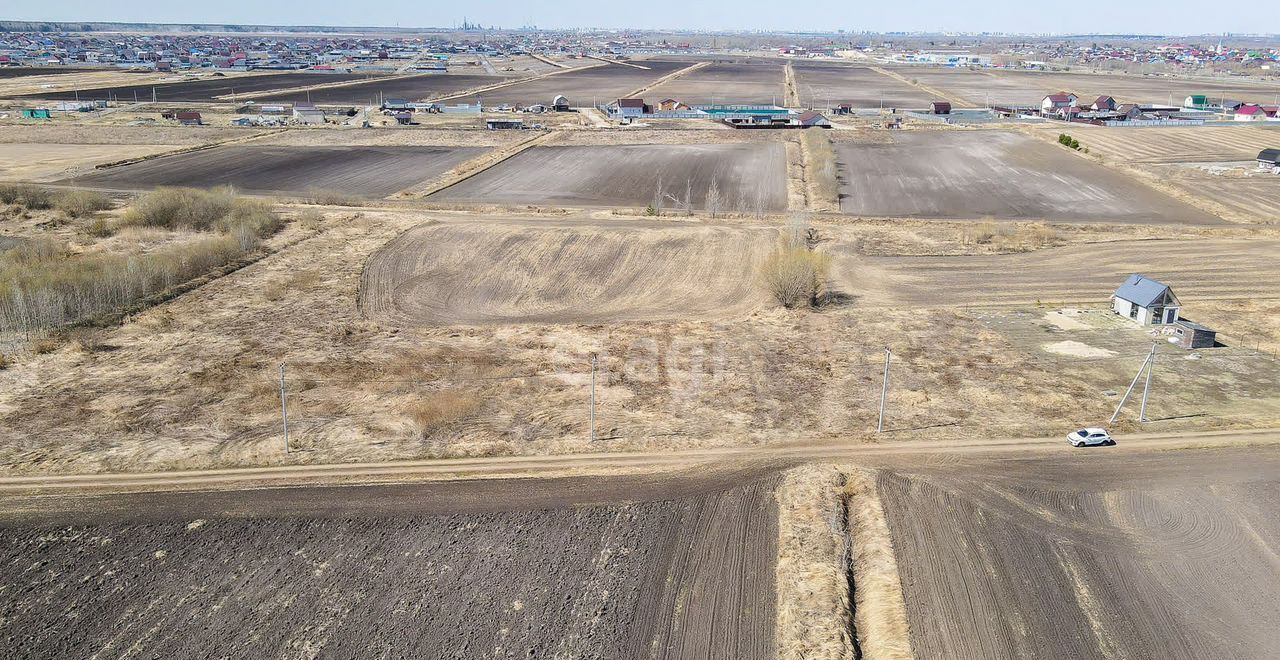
(363, 171)
(756, 83)
(828, 85)
(974, 174)
(747, 176)
(466, 274)
(680, 578)
(1098, 555)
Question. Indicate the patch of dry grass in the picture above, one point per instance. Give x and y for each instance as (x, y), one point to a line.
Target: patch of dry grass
(81, 203)
(880, 613)
(812, 580)
(1011, 237)
(438, 411)
(820, 172)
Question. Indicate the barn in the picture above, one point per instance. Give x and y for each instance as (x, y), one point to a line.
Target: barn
(1269, 159)
(1146, 301)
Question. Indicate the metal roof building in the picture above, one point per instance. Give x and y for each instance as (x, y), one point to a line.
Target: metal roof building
(1146, 301)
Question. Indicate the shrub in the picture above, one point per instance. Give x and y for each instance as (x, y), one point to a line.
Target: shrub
(795, 275)
(81, 203)
(322, 197)
(440, 409)
(182, 208)
(31, 197)
(100, 228)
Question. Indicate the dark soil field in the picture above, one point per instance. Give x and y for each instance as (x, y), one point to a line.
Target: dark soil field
(23, 71)
(597, 84)
(411, 88)
(743, 82)
(997, 174)
(203, 90)
(746, 174)
(431, 571)
(472, 274)
(823, 85)
(363, 171)
(1094, 555)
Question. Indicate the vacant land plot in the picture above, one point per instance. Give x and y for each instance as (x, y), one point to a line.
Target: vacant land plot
(412, 88)
(755, 83)
(202, 90)
(47, 162)
(583, 87)
(363, 171)
(1013, 87)
(462, 274)
(1175, 144)
(1196, 269)
(23, 71)
(1247, 199)
(974, 174)
(827, 85)
(679, 578)
(1100, 556)
(748, 176)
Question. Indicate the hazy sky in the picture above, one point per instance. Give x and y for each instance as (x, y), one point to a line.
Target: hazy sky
(1168, 17)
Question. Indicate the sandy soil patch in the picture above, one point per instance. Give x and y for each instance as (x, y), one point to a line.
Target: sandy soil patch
(49, 162)
(1066, 319)
(1077, 349)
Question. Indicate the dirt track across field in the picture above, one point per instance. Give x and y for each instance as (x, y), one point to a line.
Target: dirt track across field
(470, 274)
(364, 171)
(747, 175)
(997, 174)
(686, 572)
(1093, 555)
(1199, 269)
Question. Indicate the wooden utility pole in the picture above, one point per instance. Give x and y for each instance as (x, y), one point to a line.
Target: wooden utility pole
(593, 397)
(284, 409)
(884, 389)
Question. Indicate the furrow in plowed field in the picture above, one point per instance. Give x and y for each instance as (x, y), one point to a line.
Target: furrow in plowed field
(1166, 556)
(744, 82)
(362, 171)
(997, 174)
(1201, 268)
(441, 275)
(747, 177)
(1176, 144)
(680, 578)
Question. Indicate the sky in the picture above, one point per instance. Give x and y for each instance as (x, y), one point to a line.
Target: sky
(1018, 16)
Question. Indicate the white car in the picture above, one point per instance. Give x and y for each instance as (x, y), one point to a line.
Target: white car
(1091, 436)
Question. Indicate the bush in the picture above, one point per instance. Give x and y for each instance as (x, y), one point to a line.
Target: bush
(322, 197)
(440, 409)
(31, 197)
(100, 228)
(795, 275)
(81, 203)
(218, 210)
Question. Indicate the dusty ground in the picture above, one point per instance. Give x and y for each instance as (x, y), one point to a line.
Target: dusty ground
(824, 85)
(358, 171)
(726, 82)
(50, 162)
(1093, 556)
(514, 273)
(648, 569)
(998, 174)
(747, 175)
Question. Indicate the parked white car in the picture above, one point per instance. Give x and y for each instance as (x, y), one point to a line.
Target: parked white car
(1088, 437)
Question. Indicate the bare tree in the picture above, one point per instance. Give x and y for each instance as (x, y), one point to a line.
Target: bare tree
(712, 201)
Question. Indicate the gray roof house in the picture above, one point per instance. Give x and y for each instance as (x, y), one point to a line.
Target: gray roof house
(1146, 301)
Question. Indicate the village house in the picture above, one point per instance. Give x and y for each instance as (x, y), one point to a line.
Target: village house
(1146, 301)
(1103, 104)
(308, 114)
(940, 108)
(1250, 112)
(1057, 103)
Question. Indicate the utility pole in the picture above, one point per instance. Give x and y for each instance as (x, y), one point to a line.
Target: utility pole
(1145, 364)
(1146, 389)
(593, 397)
(884, 389)
(284, 409)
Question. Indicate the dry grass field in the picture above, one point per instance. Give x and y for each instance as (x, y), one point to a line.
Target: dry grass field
(996, 174)
(547, 272)
(1197, 144)
(746, 176)
(634, 571)
(1167, 556)
(726, 82)
(412, 88)
(1016, 87)
(356, 171)
(825, 85)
